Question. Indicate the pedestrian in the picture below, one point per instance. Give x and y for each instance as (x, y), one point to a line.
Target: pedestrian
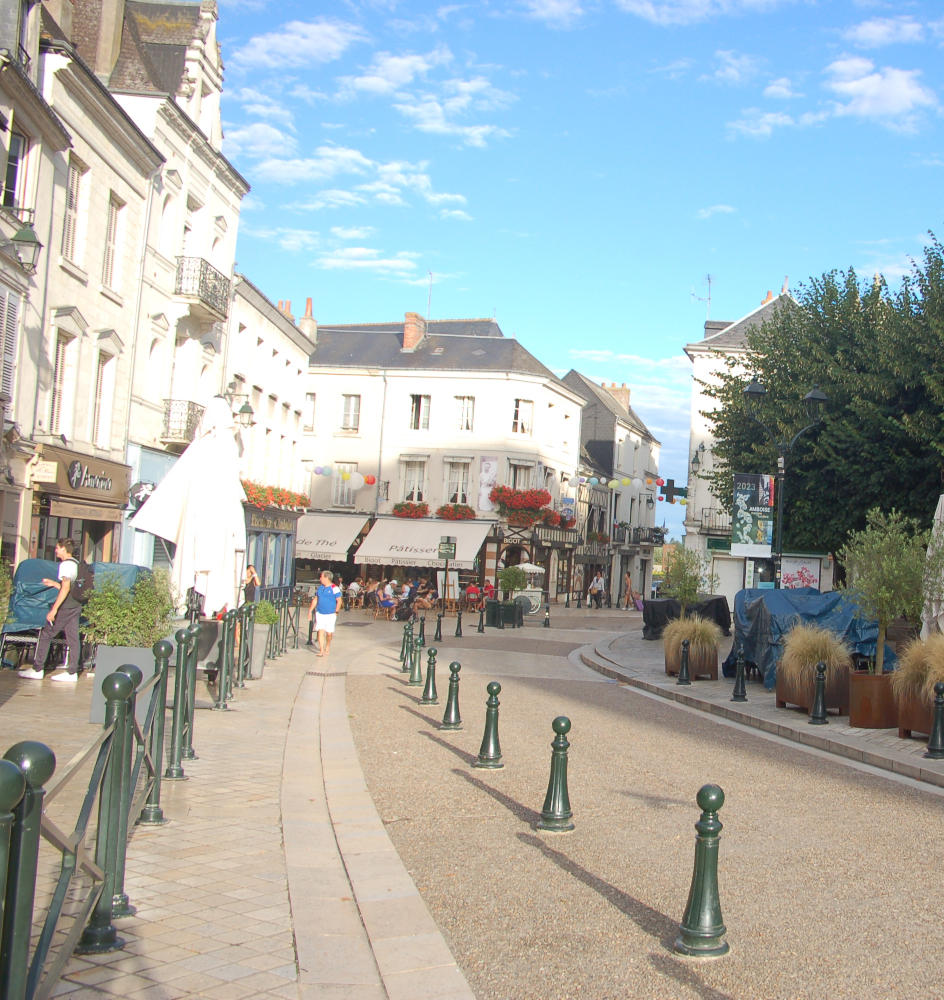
(250, 582)
(597, 587)
(325, 606)
(627, 591)
(63, 616)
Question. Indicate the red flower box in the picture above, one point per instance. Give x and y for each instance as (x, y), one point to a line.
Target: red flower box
(455, 512)
(411, 510)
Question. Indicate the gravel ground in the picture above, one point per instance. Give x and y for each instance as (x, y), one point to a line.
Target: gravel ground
(828, 875)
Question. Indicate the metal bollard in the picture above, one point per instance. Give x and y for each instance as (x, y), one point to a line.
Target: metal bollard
(174, 770)
(437, 635)
(12, 789)
(702, 929)
(402, 656)
(556, 815)
(100, 934)
(191, 702)
(423, 627)
(429, 692)
(935, 749)
(501, 615)
(451, 717)
(490, 754)
(481, 627)
(459, 623)
(120, 905)
(683, 675)
(740, 690)
(35, 763)
(416, 667)
(547, 616)
(250, 620)
(408, 655)
(239, 679)
(818, 711)
(152, 814)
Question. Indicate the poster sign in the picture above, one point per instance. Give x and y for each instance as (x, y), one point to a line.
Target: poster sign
(488, 477)
(752, 518)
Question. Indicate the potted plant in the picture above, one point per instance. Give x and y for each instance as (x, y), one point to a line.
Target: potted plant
(455, 512)
(891, 569)
(920, 667)
(408, 509)
(267, 615)
(123, 623)
(704, 640)
(805, 647)
(686, 574)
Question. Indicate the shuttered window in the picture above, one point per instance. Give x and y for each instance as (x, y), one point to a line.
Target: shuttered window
(112, 233)
(61, 386)
(70, 222)
(9, 332)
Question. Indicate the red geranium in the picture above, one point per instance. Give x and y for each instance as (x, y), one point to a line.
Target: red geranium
(455, 512)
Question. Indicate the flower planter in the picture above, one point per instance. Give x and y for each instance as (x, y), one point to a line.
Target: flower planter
(915, 715)
(796, 691)
(871, 704)
(703, 664)
(109, 659)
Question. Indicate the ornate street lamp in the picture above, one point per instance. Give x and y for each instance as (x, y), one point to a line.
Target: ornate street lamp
(25, 246)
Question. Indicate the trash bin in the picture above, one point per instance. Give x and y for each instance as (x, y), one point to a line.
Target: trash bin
(492, 611)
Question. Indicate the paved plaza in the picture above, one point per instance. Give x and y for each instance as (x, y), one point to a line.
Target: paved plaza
(331, 841)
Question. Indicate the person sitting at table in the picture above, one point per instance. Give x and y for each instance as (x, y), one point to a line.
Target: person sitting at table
(488, 589)
(424, 595)
(473, 596)
(370, 593)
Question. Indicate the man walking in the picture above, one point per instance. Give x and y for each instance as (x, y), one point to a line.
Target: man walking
(325, 605)
(63, 616)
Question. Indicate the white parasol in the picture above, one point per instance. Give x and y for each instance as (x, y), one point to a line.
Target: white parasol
(198, 506)
(932, 618)
(530, 567)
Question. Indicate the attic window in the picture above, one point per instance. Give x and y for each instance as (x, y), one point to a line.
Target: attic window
(438, 350)
(478, 353)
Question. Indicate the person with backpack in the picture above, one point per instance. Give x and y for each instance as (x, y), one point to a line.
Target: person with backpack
(74, 585)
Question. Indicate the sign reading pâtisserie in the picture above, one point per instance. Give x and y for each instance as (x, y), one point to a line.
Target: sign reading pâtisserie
(87, 477)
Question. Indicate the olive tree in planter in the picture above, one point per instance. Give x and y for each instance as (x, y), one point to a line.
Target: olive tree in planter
(124, 623)
(686, 575)
(891, 570)
(267, 615)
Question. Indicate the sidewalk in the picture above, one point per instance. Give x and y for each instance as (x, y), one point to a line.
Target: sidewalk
(276, 877)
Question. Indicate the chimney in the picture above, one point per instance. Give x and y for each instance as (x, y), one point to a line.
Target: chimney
(414, 331)
(619, 392)
(770, 297)
(286, 309)
(308, 324)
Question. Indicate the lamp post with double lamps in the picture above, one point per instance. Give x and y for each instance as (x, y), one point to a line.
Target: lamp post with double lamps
(813, 401)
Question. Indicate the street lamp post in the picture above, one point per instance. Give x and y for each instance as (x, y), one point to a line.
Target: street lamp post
(813, 401)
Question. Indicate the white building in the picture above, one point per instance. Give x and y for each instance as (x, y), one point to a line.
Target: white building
(436, 414)
(707, 519)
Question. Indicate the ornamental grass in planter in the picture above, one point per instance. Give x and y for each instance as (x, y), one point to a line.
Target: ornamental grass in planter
(704, 639)
(805, 647)
(920, 667)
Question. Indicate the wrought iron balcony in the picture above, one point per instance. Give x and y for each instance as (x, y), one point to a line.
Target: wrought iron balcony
(181, 419)
(715, 521)
(648, 536)
(198, 280)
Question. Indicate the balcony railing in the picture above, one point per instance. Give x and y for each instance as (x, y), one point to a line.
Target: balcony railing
(716, 520)
(199, 279)
(181, 419)
(648, 536)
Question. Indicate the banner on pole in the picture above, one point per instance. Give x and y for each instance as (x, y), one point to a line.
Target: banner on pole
(752, 518)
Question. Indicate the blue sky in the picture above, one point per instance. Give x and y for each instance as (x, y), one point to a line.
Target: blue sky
(576, 170)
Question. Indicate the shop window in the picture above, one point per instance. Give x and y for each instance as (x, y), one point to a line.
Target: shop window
(419, 412)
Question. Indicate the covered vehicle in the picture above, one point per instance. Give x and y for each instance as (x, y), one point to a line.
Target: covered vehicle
(762, 619)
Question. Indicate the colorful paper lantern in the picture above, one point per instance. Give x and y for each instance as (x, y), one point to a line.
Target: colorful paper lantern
(345, 476)
(594, 481)
(357, 480)
(370, 480)
(660, 481)
(317, 470)
(626, 480)
(637, 483)
(613, 483)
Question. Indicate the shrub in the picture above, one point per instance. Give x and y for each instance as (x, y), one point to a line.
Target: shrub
(807, 645)
(704, 636)
(266, 613)
(920, 667)
(685, 573)
(117, 616)
(512, 578)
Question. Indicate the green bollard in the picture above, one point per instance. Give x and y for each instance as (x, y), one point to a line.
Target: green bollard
(193, 651)
(481, 626)
(408, 657)
(239, 680)
(683, 675)
(416, 667)
(249, 638)
(702, 929)
(174, 770)
(12, 789)
(152, 814)
(935, 749)
(223, 662)
(100, 934)
(402, 656)
(547, 616)
(818, 710)
(451, 717)
(230, 653)
(501, 615)
(740, 690)
(423, 627)
(437, 635)
(120, 905)
(35, 762)
(459, 623)
(556, 815)
(490, 754)
(429, 692)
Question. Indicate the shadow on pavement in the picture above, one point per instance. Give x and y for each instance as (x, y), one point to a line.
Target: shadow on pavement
(530, 816)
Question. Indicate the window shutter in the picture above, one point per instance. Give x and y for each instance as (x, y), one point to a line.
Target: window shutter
(9, 315)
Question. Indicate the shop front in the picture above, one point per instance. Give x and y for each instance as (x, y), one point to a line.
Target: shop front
(270, 534)
(79, 497)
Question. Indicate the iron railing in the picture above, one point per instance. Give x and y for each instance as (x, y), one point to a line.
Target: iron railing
(648, 536)
(197, 277)
(181, 420)
(715, 519)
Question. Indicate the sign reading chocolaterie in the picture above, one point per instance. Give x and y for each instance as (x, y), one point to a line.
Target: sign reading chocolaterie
(87, 477)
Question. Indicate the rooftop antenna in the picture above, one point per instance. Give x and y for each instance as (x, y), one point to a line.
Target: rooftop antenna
(429, 296)
(698, 298)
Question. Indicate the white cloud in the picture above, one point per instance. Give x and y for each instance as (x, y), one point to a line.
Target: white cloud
(438, 115)
(881, 31)
(733, 68)
(455, 213)
(261, 105)
(331, 198)
(674, 69)
(256, 139)
(329, 161)
(401, 264)
(556, 13)
(388, 73)
(780, 88)
(668, 12)
(298, 44)
(707, 213)
(760, 124)
(352, 232)
(893, 96)
(292, 240)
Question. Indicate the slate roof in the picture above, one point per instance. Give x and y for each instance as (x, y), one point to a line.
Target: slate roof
(154, 40)
(450, 345)
(734, 335)
(591, 390)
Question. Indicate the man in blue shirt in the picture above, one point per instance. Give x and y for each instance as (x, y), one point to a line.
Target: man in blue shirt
(325, 605)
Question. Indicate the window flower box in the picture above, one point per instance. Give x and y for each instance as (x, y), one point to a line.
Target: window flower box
(455, 512)
(411, 510)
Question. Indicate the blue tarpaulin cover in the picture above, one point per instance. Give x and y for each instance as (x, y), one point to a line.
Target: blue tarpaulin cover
(30, 600)
(762, 618)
